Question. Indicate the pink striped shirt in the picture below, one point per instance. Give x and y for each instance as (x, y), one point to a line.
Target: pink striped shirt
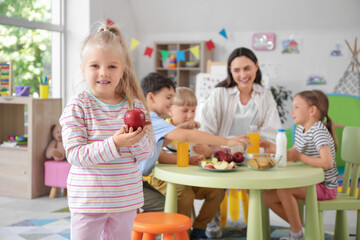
(102, 178)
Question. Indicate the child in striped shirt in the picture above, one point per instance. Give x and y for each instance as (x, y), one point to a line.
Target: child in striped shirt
(315, 145)
(104, 183)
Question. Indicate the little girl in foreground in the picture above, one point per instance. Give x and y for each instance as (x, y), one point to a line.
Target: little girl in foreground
(315, 145)
(104, 183)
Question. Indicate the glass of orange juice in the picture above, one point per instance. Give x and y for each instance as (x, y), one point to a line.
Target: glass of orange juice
(182, 154)
(254, 136)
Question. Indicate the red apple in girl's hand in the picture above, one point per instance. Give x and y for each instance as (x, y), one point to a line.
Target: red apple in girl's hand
(134, 119)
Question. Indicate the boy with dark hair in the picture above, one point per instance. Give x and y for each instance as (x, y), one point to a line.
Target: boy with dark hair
(159, 92)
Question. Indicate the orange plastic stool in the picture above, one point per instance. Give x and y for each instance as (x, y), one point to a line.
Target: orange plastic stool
(147, 225)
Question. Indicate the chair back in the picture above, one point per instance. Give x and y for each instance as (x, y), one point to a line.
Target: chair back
(350, 153)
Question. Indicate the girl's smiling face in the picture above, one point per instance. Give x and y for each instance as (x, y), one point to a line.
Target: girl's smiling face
(103, 71)
(243, 71)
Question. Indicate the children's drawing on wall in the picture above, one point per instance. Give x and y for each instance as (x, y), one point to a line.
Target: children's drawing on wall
(205, 83)
(316, 79)
(337, 51)
(290, 46)
(350, 82)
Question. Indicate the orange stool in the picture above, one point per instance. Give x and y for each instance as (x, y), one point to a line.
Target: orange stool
(147, 225)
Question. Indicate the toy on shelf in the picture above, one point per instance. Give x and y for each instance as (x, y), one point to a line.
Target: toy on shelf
(55, 150)
(172, 63)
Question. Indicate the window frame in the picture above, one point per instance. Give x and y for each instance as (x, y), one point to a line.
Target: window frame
(60, 28)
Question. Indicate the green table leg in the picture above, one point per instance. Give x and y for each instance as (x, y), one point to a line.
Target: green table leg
(171, 198)
(312, 228)
(266, 231)
(254, 231)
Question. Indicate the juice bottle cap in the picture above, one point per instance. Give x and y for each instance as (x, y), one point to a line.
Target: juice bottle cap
(281, 130)
(253, 127)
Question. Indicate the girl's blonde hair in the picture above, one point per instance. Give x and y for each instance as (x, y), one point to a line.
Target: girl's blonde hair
(110, 38)
(184, 96)
(318, 99)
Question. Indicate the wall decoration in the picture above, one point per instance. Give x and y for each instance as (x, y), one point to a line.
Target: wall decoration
(290, 46)
(205, 83)
(263, 41)
(5, 78)
(210, 45)
(180, 56)
(148, 51)
(336, 52)
(316, 80)
(195, 51)
(134, 44)
(223, 33)
(350, 82)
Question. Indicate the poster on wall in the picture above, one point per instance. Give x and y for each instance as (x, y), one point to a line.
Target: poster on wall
(290, 45)
(337, 51)
(316, 79)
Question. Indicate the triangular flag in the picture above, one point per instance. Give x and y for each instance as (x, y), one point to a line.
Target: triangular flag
(223, 33)
(180, 56)
(195, 51)
(210, 45)
(109, 22)
(134, 44)
(148, 51)
(164, 54)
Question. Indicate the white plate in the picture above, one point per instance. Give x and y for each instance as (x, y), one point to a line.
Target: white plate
(218, 170)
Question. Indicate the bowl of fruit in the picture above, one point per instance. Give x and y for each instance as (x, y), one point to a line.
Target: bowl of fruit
(262, 161)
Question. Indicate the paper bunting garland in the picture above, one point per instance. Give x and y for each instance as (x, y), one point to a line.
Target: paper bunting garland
(109, 22)
(210, 45)
(134, 44)
(180, 56)
(148, 51)
(195, 51)
(164, 54)
(223, 33)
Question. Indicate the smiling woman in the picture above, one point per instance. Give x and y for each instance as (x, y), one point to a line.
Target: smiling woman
(31, 33)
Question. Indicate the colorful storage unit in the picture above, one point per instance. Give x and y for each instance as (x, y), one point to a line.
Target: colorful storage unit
(5, 78)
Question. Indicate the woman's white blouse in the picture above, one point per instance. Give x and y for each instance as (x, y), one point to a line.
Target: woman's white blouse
(217, 114)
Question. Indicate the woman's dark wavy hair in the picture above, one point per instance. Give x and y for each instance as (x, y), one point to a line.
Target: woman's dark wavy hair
(239, 52)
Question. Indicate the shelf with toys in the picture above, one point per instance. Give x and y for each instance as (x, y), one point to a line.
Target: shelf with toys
(22, 165)
(182, 61)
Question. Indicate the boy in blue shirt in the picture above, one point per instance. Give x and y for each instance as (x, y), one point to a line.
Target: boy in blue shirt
(159, 92)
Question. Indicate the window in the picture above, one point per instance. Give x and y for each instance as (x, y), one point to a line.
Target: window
(32, 37)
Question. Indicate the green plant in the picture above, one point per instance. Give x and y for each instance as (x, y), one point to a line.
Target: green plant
(28, 49)
(281, 96)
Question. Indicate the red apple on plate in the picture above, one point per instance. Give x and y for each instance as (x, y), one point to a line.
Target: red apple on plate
(226, 157)
(238, 157)
(218, 154)
(134, 119)
(209, 166)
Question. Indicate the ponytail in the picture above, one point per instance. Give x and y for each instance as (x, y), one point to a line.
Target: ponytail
(331, 128)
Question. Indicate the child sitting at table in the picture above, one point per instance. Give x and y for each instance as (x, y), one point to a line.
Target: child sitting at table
(159, 92)
(315, 145)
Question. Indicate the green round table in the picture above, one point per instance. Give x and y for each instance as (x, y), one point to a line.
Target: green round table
(291, 176)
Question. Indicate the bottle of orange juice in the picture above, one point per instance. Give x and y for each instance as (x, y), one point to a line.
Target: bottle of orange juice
(254, 136)
(182, 154)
